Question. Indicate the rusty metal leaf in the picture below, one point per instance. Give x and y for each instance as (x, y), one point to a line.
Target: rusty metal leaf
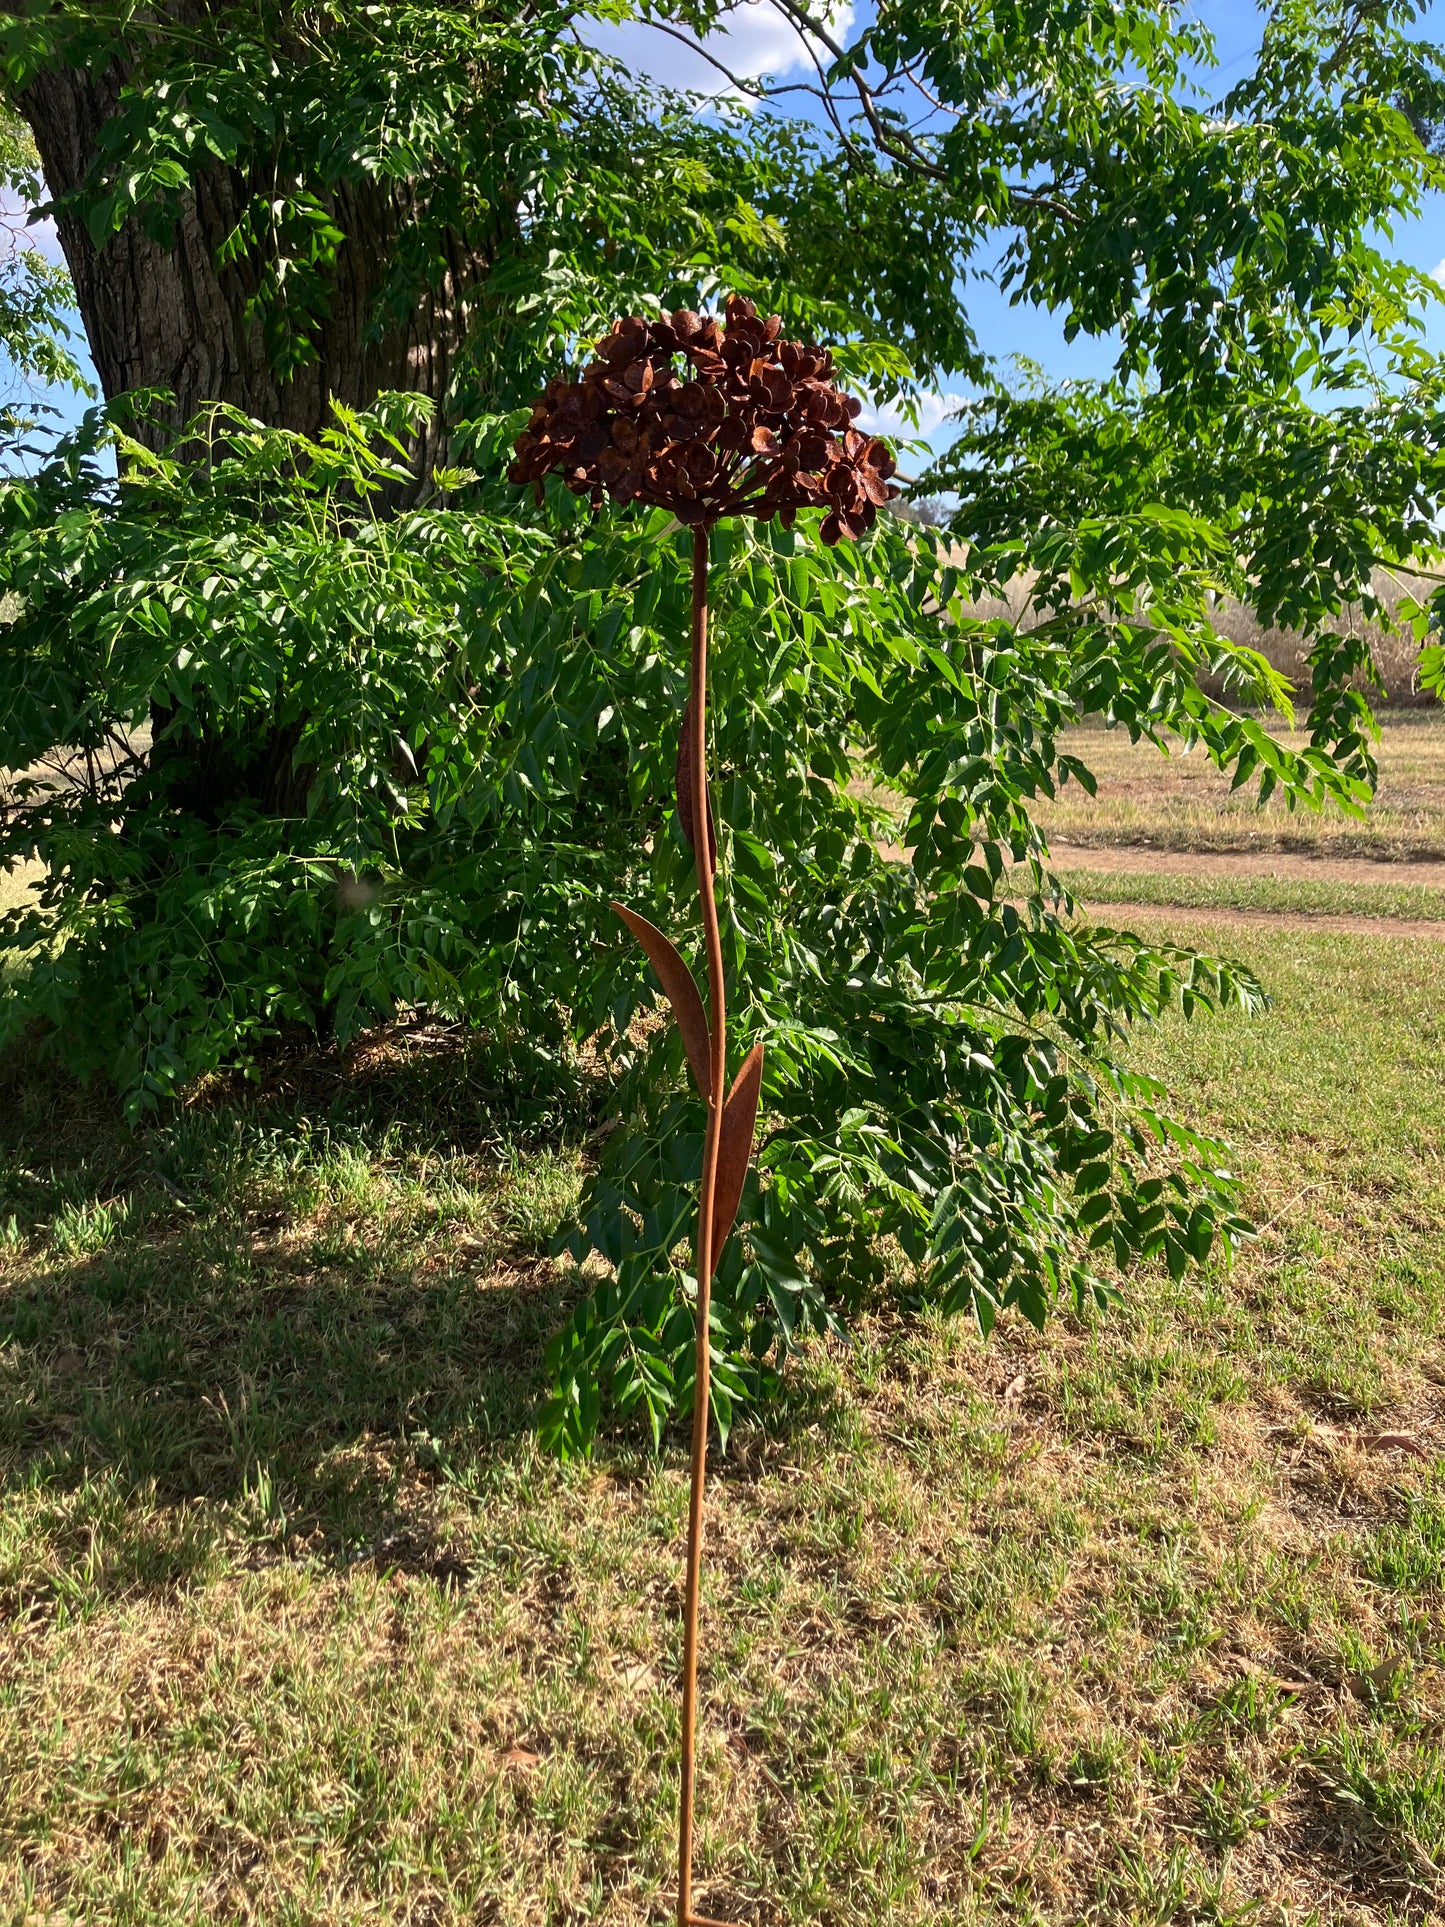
(735, 1147)
(682, 993)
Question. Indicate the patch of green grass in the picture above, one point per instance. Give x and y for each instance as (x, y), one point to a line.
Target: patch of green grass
(1291, 896)
(1125, 1622)
(1391, 1790)
(1408, 1555)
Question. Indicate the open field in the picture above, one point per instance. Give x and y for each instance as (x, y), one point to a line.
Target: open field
(15, 884)
(1394, 649)
(15, 887)
(1137, 1621)
(1182, 803)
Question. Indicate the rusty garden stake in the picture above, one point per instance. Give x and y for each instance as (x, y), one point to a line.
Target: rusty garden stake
(753, 425)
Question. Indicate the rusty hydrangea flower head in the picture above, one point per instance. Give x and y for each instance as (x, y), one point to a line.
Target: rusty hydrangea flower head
(706, 421)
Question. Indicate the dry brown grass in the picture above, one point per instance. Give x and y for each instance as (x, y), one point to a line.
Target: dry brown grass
(15, 884)
(1393, 648)
(1183, 803)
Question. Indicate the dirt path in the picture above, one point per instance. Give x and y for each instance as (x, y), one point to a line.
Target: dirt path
(1280, 866)
(1122, 915)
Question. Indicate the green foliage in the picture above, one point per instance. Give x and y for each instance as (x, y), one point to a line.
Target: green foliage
(34, 293)
(480, 706)
(298, 755)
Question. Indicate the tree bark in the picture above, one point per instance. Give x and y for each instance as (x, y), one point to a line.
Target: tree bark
(173, 317)
(176, 317)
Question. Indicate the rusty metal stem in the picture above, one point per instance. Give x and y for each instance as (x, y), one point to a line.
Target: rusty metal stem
(707, 896)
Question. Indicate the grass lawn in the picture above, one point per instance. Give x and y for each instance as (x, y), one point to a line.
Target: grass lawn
(1183, 802)
(1285, 896)
(1137, 1621)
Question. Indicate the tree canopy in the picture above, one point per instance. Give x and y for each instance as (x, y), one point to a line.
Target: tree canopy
(318, 717)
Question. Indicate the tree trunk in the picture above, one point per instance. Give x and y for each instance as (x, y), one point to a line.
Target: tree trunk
(175, 317)
(172, 317)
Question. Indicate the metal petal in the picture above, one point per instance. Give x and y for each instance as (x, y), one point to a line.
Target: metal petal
(735, 1147)
(682, 993)
(742, 399)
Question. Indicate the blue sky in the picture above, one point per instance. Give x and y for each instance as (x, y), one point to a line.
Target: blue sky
(759, 42)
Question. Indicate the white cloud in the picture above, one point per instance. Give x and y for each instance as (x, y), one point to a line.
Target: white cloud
(756, 40)
(1437, 273)
(933, 413)
(40, 235)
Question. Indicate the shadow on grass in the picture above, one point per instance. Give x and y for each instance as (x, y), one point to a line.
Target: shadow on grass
(293, 1313)
(309, 1321)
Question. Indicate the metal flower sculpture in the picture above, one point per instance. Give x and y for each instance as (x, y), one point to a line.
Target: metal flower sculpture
(707, 419)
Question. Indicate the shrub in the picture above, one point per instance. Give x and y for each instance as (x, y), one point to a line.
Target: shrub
(326, 760)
